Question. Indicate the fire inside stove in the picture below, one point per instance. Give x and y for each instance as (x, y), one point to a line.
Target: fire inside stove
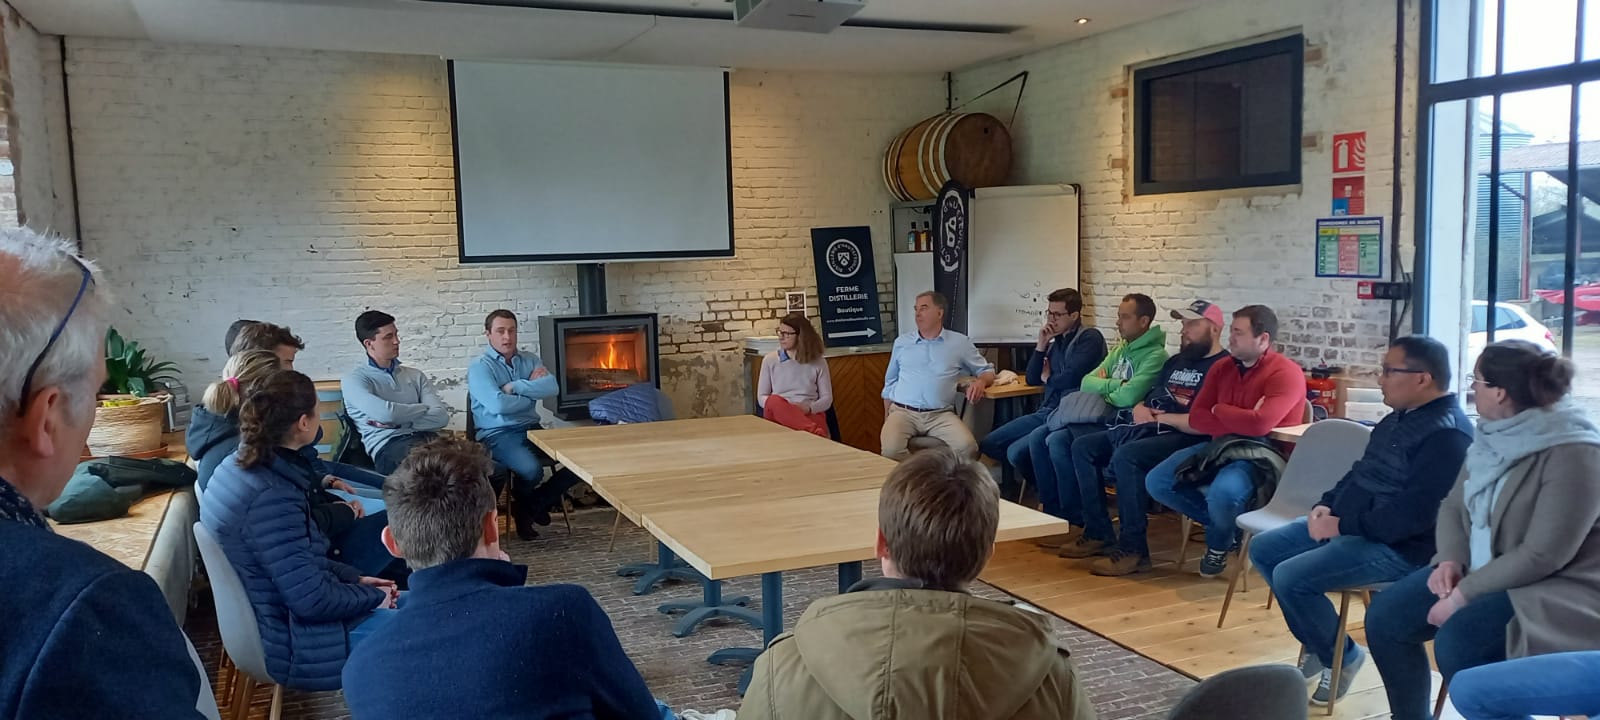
(601, 360)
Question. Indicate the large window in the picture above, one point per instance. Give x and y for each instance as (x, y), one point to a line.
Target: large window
(1229, 119)
(1509, 179)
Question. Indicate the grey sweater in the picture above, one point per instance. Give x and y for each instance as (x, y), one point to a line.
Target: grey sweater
(387, 405)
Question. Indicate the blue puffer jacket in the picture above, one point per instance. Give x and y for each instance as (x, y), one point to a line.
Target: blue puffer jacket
(640, 403)
(262, 520)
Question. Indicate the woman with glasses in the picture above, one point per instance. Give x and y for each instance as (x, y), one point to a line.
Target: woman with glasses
(257, 505)
(1517, 572)
(795, 390)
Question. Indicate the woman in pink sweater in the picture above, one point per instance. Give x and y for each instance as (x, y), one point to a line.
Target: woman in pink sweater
(795, 390)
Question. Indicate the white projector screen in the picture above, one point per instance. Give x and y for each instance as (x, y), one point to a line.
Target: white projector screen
(590, 163)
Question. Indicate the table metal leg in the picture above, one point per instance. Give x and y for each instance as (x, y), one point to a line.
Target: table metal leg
(709, 606)
(666, 567)
(771, 626)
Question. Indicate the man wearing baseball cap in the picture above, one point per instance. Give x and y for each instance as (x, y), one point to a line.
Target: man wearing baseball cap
(1160, 427)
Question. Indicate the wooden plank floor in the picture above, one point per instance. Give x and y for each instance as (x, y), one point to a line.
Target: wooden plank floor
(1171, 616)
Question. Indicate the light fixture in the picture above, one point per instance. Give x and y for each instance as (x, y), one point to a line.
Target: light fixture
(1082, 21)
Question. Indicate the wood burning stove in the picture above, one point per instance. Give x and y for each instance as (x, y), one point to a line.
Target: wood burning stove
(591, 355)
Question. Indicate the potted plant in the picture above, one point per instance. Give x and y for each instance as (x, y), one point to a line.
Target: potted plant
(128, 417)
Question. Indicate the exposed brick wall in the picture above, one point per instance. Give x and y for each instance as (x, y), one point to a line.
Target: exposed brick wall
(303, 187)
(1237, 247)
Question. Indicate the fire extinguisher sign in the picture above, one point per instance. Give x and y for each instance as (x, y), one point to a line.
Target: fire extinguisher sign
(1350, 152)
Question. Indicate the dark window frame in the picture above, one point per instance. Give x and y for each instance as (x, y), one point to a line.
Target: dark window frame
(1292, 45)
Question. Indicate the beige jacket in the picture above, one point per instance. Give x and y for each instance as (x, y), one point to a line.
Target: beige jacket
(889, 652)
(1546, 534)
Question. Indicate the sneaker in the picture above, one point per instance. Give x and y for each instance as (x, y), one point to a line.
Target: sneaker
(1084, 547)
(1118, 563)
(1054, 542)
(1353, 661)
(1310, 665)
(1213, 564)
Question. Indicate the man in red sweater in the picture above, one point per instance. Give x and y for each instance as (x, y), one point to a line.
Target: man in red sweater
(1252, 393)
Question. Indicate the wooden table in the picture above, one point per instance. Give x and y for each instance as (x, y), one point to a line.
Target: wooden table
(734, 496)
(1289, 434)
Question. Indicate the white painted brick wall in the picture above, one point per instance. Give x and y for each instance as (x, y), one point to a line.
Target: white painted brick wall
(1232, 248)
(43, 181)
(302, 187)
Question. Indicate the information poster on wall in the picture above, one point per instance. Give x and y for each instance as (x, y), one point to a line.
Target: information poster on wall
(1350, 247)
(847, 286)
(1350, 195)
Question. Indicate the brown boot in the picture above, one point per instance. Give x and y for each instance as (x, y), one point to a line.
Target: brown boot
(1084, 547)
(1118, 563)
(1054, 542)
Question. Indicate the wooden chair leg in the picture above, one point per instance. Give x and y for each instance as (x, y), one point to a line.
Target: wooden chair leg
(243, 690)
(1183, 544)
(1338, 650)
(1270, 595)
(227, 673)
(1234, 581)
(1438, 705)
(1244, 564)
(566, 511)
(275, 712)
(615, 525)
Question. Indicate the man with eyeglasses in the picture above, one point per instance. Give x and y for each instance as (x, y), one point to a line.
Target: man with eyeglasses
(1377, 524)
(85, 636)
(1065, 352)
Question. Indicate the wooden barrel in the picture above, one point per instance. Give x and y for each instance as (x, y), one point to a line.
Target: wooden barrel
(972, 148)
(330, 405)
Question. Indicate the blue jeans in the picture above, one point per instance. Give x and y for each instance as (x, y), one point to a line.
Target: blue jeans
(1218, 507)
(1009, 443)
(1397, 627)
(1557, 684)
(1052, 470)
(526, 462)
(1129, 462)
(1302, 572)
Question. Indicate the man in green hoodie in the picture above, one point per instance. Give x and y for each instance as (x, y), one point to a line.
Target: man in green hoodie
(1123, 379)
(914, 643)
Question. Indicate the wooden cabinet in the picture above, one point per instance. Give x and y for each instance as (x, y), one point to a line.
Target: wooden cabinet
(857, 392)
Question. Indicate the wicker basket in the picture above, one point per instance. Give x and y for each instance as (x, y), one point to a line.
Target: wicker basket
(129, 429)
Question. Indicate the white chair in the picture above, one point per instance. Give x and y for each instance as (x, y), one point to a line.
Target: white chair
(1323, 455)
(241, 636)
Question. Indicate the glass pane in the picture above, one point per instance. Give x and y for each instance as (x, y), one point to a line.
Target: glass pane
(1222, 122)
(1450, 227)
(1463, 39)
(1540, 34)
(1591, 30)
(601, 359)
(1586, 290)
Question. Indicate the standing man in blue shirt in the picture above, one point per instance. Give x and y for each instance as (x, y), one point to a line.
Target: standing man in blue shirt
(505, 386)
(920, 385)
(1066, 351)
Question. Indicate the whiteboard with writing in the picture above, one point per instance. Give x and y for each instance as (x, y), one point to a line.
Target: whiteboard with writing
(1024, 244)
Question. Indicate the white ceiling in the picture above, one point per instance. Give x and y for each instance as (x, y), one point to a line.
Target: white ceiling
(670, 32)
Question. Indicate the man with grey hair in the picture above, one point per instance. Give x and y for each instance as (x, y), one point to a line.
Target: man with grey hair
(492, 644)
(85, 635)
(919, 388)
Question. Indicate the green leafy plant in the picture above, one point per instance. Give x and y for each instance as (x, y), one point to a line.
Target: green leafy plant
(129, 371)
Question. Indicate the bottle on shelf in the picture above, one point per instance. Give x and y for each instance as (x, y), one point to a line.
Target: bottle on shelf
(911, 238)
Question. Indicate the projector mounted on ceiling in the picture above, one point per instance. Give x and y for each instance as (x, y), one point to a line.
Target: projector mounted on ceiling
(816, 16)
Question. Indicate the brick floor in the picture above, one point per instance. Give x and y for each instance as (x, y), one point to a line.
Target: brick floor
(1122, 684)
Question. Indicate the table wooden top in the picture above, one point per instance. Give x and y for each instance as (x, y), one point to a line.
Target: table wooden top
(1289, 434)
(690, 463)
(127, 539)
(749, 538)
(1002, 392)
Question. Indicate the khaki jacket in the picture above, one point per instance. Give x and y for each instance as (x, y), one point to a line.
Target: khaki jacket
(887, 651)
(1546, 540)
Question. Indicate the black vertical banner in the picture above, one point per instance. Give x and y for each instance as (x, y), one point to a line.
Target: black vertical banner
(847, 286)
(950, 252)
